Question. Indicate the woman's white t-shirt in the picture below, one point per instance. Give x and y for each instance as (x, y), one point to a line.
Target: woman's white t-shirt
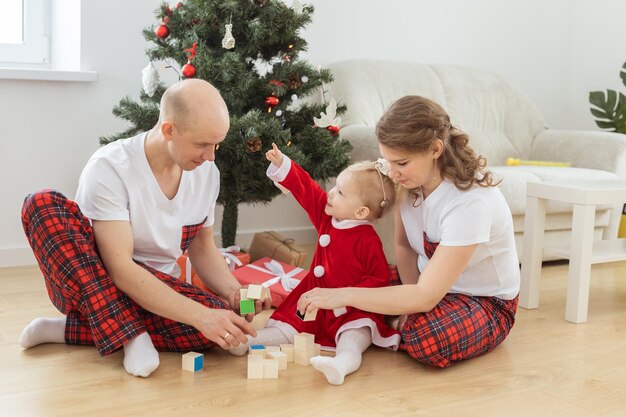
(454, 217)
(118, 184)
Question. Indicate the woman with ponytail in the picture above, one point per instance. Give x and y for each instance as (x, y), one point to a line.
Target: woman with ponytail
(455, 250)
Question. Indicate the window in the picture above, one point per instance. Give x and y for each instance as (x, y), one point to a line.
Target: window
(24, 33)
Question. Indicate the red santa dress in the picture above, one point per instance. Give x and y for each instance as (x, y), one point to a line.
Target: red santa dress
(349, 253)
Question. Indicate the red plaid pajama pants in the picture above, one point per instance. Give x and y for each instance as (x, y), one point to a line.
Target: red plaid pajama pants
(98, 313)
(459, 327)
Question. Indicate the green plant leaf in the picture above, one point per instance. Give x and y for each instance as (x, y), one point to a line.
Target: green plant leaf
(622, 73)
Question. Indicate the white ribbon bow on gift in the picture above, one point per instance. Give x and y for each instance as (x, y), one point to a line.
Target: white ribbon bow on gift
(286, 278)
(231, 259)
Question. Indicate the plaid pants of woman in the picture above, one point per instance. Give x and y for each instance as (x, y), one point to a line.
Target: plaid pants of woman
(98, 313)
(459, 327)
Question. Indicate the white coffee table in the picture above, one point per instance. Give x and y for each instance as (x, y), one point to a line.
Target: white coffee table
(582, 252)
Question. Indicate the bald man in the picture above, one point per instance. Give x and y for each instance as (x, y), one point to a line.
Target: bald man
(109, 259)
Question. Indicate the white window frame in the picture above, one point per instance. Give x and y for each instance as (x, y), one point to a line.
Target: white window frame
(34, 51)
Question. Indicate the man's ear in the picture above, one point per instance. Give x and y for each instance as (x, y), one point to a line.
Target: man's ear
(362, 213)
(167, 130)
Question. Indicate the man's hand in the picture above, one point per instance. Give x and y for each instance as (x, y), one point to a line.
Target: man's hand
(274, 155)
(259, 305)
(224, 327)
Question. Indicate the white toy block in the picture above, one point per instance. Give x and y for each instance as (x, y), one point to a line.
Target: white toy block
(281, 357)
(265, 293)
(254, 291)
(303, 357)
(270, 368)
(257, 350)
(255, 367)
(340, 311)
(303, 341)
(288, 350)
(269, 349)
(193, 361)
(317, 349)
(310, 315)
(243, 293)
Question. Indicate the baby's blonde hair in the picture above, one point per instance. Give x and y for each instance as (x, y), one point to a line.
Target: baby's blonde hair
(376, 190)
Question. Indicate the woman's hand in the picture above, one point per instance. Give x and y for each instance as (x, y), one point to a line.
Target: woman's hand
(274, 155)
(324, 298)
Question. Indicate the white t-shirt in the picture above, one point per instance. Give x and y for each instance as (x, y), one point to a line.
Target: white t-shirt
(118, 184)
(480, 216)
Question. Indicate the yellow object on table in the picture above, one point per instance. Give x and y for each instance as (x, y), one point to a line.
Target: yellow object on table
(515, 161)
(622, 224)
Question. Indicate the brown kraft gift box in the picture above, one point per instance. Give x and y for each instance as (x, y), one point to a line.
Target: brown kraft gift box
(278, 247)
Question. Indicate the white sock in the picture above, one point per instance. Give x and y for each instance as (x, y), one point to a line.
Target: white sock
(269, 336)
(140, 356)
(43, 330)
(350, 347)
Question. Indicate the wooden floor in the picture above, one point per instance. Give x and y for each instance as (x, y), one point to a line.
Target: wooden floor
(546, 367)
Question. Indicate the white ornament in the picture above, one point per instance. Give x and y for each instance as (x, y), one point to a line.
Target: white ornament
(278, 113)
(228, 42)
(328, 118)
(296, 6)
(263, 67)
(324, 240)
(150, 79)
(318, 271)
(305, 79)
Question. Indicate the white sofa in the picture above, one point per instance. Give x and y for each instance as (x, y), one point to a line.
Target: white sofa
(501, 123)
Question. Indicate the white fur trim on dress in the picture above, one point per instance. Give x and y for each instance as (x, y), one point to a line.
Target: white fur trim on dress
(391, 342)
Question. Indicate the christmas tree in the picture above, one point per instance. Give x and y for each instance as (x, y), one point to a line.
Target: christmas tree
(249, 50)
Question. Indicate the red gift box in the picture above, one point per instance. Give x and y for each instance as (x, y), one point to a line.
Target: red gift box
(232, 255)
(273, 274)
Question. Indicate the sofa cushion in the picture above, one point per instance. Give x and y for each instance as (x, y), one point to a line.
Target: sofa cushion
(500, 120)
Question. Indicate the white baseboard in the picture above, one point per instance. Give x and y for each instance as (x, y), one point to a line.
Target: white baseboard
(19, 256)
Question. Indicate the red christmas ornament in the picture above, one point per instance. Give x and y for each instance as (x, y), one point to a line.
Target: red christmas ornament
(162, 31)
(272, 101)
(334, 130)
(189, 71)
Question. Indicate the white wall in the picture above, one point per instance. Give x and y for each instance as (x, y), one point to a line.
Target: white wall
(551, 50)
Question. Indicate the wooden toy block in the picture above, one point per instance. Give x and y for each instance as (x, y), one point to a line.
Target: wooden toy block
(246, 307)
(270, 368)
(288, 350)
(257, 350)
(340, 311)
(193, 361)
(254, 291)
(310, 315)
(255, 367)
(303, 357)
(303, 341)
(266, 293)
(281, 357)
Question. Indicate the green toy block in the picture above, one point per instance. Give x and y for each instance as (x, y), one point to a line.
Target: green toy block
(246, 307)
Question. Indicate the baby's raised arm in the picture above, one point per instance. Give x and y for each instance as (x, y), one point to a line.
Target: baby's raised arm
(274, 155)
